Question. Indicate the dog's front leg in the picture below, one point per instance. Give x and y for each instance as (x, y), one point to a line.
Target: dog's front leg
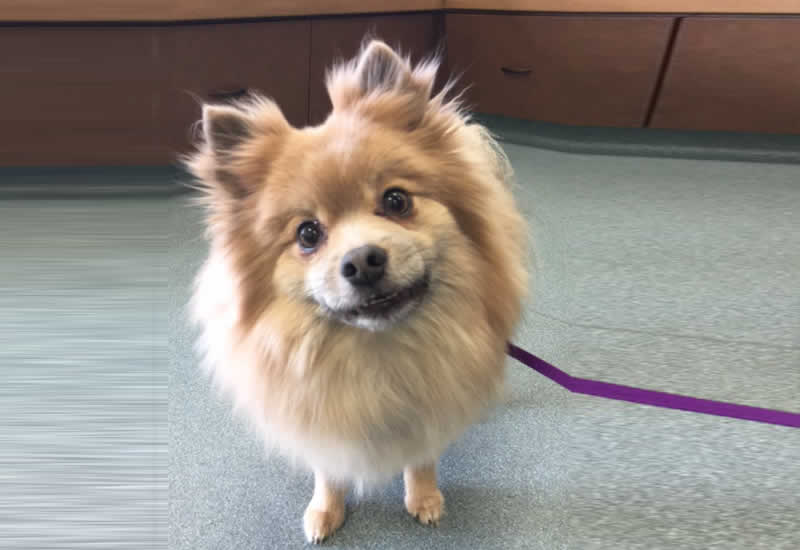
(325, 512)
(423, 499)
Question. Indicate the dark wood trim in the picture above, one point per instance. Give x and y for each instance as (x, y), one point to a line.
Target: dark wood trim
(310, 69)
(618, 14)
(662, 73)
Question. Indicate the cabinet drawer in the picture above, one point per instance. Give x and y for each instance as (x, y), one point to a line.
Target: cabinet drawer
(731, 73)
(79, 95)
(208, 61)
(589, 70)
(340, 38)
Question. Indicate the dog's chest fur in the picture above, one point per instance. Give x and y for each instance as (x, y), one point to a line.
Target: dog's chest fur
(359, 405)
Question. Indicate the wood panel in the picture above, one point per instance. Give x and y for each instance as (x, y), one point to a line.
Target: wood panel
(739, 74)
(340, 38)
(630, 6)
(586, 70)
(186, 10)
(196, 10)
(79, 95)
(269, 57)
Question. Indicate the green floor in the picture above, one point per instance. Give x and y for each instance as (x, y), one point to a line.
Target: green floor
(664, 273)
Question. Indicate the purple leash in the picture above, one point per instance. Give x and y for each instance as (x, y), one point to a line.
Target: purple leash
(652, 397)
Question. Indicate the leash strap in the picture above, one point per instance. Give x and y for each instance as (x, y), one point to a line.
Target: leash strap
(652, 397)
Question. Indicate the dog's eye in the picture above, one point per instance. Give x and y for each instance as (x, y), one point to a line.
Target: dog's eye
(309, 235)
(396, 202)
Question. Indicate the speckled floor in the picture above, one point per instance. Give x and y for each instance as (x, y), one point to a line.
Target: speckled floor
(678, 275)
(670, 274)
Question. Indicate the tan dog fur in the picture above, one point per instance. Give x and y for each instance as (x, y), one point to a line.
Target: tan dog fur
(362, 401)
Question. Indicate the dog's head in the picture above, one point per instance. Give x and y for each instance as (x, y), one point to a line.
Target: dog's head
(371, 217)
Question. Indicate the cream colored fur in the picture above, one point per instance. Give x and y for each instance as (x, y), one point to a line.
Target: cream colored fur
(359, 403)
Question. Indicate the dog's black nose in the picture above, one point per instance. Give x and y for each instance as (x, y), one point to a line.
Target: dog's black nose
(364, 265)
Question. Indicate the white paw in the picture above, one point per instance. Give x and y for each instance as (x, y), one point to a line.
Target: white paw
(321, 524)
(427, 507)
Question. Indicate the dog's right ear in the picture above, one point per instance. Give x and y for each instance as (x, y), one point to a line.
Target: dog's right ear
(240, 140)
(225, 128)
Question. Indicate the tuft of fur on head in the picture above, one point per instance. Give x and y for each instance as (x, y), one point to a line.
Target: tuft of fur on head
(355, 396)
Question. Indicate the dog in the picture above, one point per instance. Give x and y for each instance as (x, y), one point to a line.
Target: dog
(363, 278)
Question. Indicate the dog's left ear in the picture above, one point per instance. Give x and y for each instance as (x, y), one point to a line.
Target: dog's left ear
(390, 87)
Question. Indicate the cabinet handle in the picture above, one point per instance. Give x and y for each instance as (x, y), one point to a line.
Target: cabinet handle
(229, 94)
(517, 70)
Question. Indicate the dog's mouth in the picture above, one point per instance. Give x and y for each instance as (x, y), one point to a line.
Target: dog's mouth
(386, 306)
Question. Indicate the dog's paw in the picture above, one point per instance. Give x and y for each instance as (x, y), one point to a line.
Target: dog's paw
(427, 507)
(321, 524)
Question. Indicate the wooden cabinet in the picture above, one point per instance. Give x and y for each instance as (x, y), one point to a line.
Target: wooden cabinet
(117, 94)
(588, 70)
(89, 95)
(733, 73)
(79, 95)
(340, 38)
(216, 62)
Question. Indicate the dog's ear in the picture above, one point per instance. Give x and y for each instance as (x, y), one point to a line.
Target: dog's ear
(225, 128)
(391, 89)
(381, 69)
(240, 142)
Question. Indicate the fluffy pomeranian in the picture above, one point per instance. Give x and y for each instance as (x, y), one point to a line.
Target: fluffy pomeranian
(363, 278)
